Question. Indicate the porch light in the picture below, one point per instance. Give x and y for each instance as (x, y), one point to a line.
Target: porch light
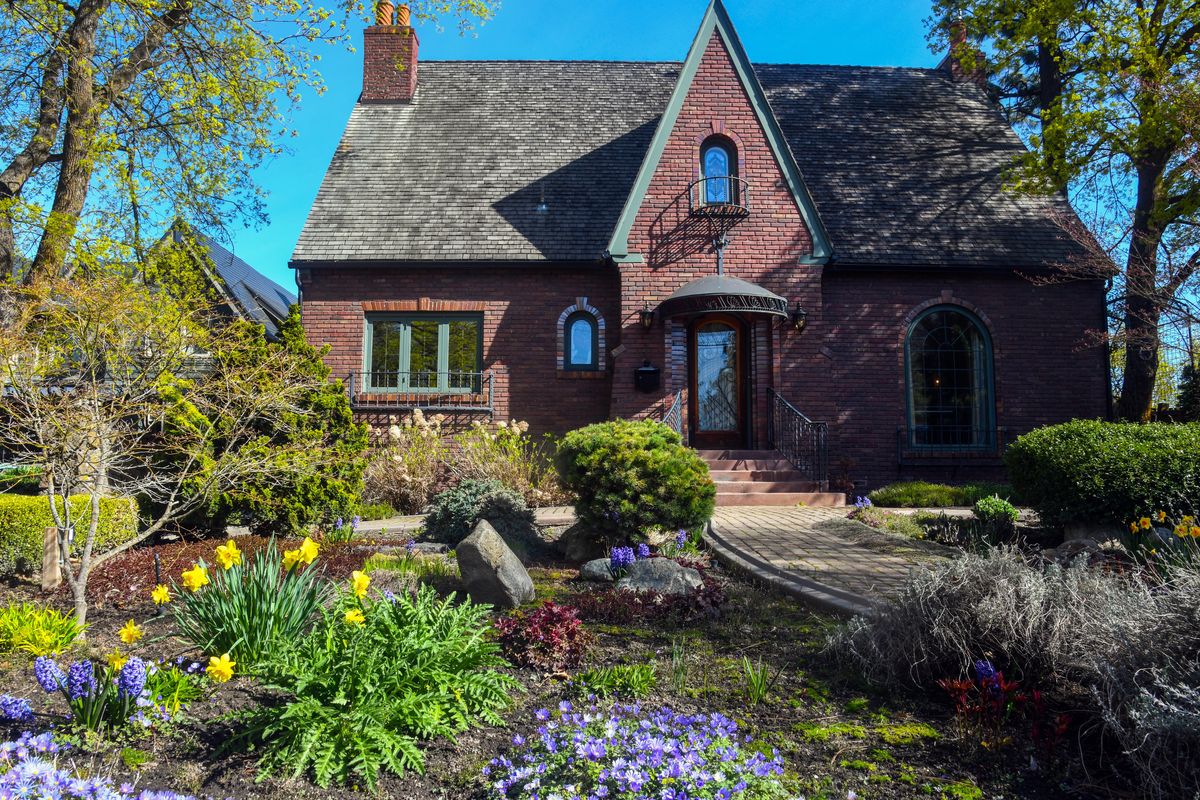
(646, 317)
(799, 319)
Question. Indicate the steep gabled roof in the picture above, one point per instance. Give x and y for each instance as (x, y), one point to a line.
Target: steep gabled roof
(255, 296)
(716, 21)
(906, 166)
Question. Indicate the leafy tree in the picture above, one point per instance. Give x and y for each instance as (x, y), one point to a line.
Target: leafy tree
(1189, 391)
(1105, 91)
(117, 111)
(115, 387)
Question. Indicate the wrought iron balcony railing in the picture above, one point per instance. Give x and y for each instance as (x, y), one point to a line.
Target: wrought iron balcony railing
(724, 196)
(375, 390)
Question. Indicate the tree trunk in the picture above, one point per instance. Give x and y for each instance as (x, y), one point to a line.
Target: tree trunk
(79, 141)
(1143, 307)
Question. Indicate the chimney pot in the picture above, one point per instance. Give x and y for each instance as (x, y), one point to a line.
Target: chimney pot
(389, 57)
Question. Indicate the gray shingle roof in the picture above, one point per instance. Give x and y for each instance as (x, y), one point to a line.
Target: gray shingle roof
(905, 166)
(259, 298)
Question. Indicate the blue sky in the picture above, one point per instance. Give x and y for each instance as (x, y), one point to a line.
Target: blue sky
(876, 32)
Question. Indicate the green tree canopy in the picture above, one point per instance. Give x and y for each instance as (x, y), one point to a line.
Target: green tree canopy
(1105, 92)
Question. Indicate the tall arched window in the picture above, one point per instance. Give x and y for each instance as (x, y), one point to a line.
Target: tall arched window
(581, 342)
(718, 167)
(949, 358)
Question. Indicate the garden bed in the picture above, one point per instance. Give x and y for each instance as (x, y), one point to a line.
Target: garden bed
(834, 735)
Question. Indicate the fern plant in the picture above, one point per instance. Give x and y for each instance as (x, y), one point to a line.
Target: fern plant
(372, 681)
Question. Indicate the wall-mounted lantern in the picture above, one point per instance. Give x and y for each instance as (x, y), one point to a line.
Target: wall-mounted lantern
(646, 317)
(799, 319)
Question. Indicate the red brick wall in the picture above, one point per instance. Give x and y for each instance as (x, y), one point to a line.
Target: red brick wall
(521, 309)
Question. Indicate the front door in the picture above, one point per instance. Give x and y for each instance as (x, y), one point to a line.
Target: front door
(718, 382)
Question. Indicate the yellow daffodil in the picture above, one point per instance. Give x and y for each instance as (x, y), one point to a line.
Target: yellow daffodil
(220, 669)
(354, 617)
(117, 659)
(1161, 516)
(308, 550)
(161, 595)
(130, 633)
(1144, 523)
(1181, 530)
(290, 559)
(360, 582)
(1133, 528)
(228, 555)
(1195, 531)
(195, 577)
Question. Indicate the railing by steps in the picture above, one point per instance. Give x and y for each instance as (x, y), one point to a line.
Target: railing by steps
(673, 418)
(800, 440)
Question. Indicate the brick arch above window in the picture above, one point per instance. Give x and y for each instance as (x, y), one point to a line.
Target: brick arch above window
(946, 298)
(581, 307)
(717, 132)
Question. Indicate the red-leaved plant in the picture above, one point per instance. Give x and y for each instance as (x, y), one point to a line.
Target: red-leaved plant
(550, 637)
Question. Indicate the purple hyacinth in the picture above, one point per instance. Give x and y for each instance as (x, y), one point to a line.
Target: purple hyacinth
(132, 679)
(620, 558)
(643, 550)
(681, 538)
(81, 679)
(49, 674)
(15, 709)
(862, 502)
(985, 670)
(355, 521)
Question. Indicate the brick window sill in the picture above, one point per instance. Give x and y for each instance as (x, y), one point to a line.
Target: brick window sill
(581, 374)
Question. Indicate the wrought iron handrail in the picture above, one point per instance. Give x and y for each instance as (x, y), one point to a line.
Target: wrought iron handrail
(429, 391)
(734, 190)
(801, 441)
(673, 418)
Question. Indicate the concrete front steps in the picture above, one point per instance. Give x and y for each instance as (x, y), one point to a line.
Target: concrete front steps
(762, 478)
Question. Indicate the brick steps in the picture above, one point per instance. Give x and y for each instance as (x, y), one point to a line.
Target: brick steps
(762, 478)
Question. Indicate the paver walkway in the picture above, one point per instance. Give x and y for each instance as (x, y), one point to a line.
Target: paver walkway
(818, 555)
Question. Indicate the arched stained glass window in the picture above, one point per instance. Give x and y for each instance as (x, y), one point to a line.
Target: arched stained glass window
(581, 342)
(717, 168)
(949, 360)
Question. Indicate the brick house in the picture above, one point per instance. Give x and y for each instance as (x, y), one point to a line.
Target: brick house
(816, 260)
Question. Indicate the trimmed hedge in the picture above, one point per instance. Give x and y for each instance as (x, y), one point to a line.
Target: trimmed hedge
(630, 478)
(1092, 471)
(921, 494)
(24, 518)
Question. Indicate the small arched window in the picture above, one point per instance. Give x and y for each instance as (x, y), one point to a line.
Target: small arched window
(718, 168)
(949, 364)
(581, 342)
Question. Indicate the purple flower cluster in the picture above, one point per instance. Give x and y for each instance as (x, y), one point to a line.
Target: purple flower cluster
(15, 709)
(29, 769)
(643, 550)
(49, 675)
(132, 678)
(627, 754)
(620, 558)
(81, 680)
(681, 538)
(861, 502)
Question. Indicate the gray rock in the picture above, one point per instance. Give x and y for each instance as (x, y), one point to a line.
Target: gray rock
(660, 575)
(491, 572)
(1068, 551)
(578, 544)
(598, 569)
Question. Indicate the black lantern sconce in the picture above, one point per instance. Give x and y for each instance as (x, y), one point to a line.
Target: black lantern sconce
(799, 319)
(646, 317)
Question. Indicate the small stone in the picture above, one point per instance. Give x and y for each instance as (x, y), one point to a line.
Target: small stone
(660, 575)
(598, 569)
(1068, 551)
(491, 571)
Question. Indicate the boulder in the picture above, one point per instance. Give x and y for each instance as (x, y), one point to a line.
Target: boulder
(660, 575)
(598, 569)
(491, 571)
(578, 544)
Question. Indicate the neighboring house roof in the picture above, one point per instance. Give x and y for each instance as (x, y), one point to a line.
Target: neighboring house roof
(257, 297)
(906, 167)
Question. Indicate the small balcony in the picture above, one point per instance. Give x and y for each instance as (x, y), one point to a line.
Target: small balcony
(724, 197)
(429, 391)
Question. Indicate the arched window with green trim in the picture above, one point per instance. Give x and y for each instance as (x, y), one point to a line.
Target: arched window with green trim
(948, 358)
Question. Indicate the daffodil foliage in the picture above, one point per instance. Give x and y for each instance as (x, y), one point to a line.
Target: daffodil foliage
(1106, 93)
(119, 115)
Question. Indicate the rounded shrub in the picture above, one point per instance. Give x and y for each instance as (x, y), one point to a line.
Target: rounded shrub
(1092, 471)
(456, 511)
(23, 519)
(630, 478)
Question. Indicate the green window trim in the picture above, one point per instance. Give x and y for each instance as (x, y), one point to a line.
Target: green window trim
(394, 373)
(983, 427)
(569, 341)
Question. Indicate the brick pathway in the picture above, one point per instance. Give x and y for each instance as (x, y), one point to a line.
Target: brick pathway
(817, 554)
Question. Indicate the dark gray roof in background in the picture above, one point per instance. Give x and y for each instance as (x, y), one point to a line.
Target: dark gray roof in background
(904, 165)
(259, 298)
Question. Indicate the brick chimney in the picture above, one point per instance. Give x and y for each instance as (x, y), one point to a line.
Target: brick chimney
(958, 49)
(389, 56)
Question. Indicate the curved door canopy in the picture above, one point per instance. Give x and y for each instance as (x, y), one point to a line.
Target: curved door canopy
(718, 383)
